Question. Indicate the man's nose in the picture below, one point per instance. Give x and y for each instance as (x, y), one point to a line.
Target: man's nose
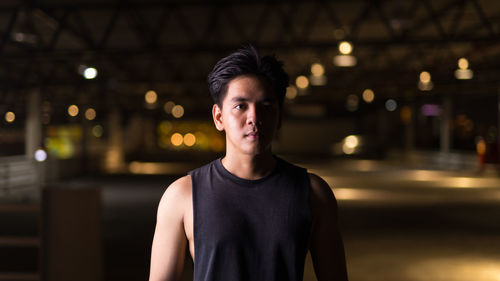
(253, 115)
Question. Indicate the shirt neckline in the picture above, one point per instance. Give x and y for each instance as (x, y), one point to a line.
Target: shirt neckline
(247, 182)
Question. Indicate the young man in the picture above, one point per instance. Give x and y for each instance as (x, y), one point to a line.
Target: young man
(249, 215)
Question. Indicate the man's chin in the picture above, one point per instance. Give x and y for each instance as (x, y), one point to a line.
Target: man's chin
(255, 151)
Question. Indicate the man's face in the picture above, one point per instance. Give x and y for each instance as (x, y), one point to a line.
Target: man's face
(250, 115)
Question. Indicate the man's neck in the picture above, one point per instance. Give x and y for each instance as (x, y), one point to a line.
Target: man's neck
(250, 167)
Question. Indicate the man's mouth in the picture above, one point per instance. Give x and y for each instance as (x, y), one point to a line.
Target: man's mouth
(252, 135)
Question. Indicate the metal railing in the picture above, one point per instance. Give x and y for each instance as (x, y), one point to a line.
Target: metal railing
(17, 173)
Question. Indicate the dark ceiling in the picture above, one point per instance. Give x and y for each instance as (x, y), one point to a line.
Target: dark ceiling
(170, 46)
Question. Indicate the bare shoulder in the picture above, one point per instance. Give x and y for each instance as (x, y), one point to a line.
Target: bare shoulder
(176, 196)
(169, 242)
(320, 190)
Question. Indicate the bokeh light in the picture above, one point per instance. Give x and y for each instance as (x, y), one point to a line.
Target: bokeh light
(317, 69)
(90, 73)
(151, 97)
(189, 139)
(463, 63)
(350, 144)
(176, 139)
(90, 114)
(425, 77)
(302, 82)
(178, 111)
(351, 141)
(10, 116)
(345, 47)
(391, 105)
(73, 110)
(368, 95)
(40, 155)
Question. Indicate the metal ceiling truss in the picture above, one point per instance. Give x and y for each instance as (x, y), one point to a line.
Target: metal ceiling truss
(173, 45)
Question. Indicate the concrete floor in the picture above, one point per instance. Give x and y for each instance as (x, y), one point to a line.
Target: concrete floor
(408, 224)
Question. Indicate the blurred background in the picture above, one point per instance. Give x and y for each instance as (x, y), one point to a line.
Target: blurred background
(395, 103)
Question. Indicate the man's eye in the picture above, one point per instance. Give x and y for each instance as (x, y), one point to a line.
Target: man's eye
(239, 106)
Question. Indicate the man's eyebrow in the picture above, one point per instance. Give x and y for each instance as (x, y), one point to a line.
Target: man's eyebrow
(234, 99)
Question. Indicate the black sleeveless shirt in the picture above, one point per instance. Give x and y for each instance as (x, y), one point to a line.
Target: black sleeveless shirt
(255, 230)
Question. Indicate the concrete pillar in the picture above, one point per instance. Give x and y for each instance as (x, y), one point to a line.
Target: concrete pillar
(445, 132)
(33, 127)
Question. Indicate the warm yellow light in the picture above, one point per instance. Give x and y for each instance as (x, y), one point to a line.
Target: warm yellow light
(347, 150)
(464, 74)
(455, 267)
(189, 139)
(151, 97)
(463, 63)
(291, 92)
(176, 139)
(178, 111)
(463, 182)
(345, 48)
(345, 60)
(73, 110)
(368, 95)
(302, 82)
(425, 77)
(317, 69)
(351, 141)
(90, 114)
(10, 117)
(169, 105)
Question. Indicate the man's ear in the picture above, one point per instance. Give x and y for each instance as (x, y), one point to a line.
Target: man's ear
(217, 116)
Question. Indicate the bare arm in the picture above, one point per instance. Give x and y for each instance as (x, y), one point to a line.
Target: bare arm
(169, 242)
(327, 249)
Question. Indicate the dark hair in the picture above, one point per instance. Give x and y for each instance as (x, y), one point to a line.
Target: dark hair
(246, 61)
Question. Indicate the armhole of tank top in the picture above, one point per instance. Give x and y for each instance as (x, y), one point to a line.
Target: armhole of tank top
(194, 199)
(309, 205)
